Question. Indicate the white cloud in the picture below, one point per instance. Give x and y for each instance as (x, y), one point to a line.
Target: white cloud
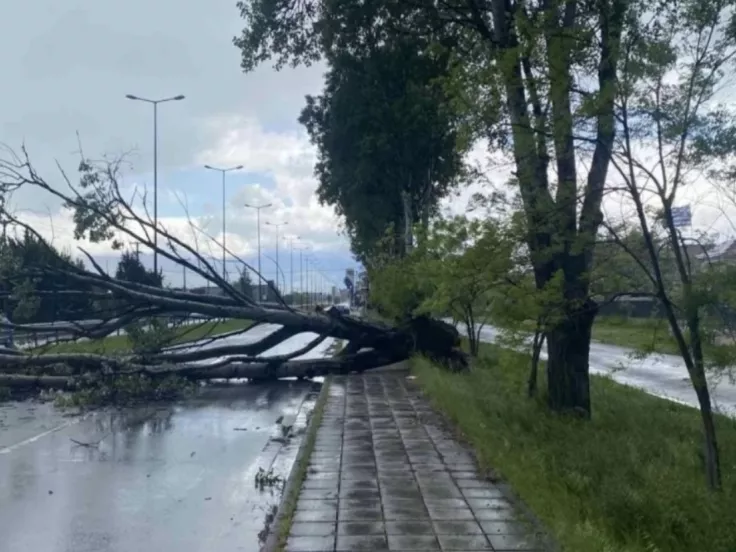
(288, 158)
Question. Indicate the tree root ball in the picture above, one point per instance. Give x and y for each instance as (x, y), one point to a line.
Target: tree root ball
(439, 341)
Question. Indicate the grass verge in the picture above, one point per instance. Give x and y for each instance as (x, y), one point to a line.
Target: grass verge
(122, 343)
(642, 334)
(299, 472)
(630, 480)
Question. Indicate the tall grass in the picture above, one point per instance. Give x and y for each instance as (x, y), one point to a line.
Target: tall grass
(630, 480)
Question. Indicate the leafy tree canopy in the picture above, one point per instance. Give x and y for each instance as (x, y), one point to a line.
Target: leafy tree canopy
(384, 128)
(131, 269)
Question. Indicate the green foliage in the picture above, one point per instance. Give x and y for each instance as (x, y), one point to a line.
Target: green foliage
(128, 390)
(131, 269)
(98, 210)
(399, 288)
(30, 293)
(383, 128)
(152, 334)
(630, 480)
(244, 283)
(468, 266)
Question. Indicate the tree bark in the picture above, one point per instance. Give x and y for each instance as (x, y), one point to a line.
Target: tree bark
(711, 452)
(537, 344)
(407, 231)
(568, 379)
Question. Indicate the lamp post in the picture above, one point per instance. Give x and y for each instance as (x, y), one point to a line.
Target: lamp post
(155, 166)
(302, 289)
(283, 277)
(277, 225)
(260, 274)
(291, 263)
(224, 238)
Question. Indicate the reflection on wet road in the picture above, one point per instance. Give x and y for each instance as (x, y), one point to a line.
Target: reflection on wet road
(166, 478)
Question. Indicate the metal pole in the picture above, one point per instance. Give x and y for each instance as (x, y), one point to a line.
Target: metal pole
(260, 293)
(291, 270)
(155, 167)
(224, 235)
(224, 215)
(277, 257)
(301, 277)
(258, 215)
(155, 188)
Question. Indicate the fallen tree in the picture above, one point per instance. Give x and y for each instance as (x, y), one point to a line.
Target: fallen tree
(102, 214)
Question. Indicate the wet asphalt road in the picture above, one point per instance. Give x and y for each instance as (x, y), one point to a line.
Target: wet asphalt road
(661, 375)
(177, 478)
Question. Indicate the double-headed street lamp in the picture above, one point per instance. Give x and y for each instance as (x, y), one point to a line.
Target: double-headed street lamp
(223, 171)
(277, 225)
(258, 210)
(155, 166)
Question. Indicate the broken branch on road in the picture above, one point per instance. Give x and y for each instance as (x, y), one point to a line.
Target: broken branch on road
(102, 214)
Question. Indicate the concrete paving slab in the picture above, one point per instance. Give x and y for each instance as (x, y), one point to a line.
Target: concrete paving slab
(403, 482)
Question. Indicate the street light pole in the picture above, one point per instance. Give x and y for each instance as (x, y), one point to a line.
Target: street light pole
(301, 276)
(155, 167)
(277, 225)
(260, 274)
(224, 235)
(291, 264)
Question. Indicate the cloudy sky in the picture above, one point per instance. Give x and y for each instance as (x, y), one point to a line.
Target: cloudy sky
(67, 67)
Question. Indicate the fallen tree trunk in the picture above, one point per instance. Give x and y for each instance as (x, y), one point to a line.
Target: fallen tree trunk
(241, 354)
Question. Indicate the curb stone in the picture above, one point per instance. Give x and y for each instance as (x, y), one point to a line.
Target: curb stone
(272, 541)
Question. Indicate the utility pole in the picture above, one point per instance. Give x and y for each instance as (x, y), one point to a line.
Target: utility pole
(277, 225)
(260, 273)
(306, 279)
(291, 262)
(301, 276)
(155, 167)
(224, 238)
(184, 276)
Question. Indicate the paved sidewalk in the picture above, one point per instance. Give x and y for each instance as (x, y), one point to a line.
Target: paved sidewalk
(385, 475)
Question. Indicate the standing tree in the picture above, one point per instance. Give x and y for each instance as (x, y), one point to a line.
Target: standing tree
(672, 71)
(244, 284)
(131, 269)
(468, 264)
(29, 294)
(386, 136)
(524, 71)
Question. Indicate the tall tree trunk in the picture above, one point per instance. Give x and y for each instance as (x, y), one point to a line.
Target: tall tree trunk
(700, 382)
(537, 344)
(568, 347)
(408, 236)
(711, 453)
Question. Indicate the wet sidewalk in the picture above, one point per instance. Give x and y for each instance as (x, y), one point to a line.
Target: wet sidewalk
(386, 475)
